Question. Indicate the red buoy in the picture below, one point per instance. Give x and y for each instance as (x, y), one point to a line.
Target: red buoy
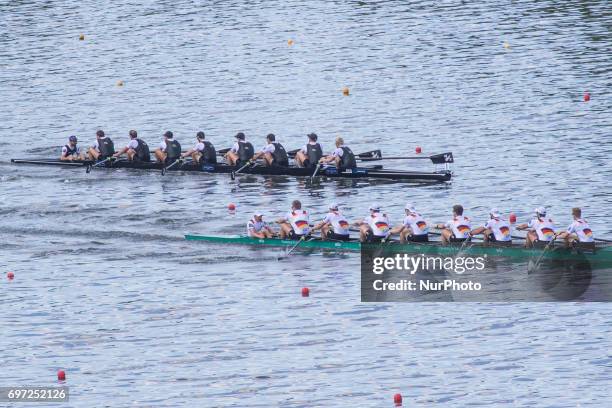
(418, 150)
(587, 96)
(512, 218)
(231, 207)
(10, 275)
(305, 292)
(397, 398)
(61, 375)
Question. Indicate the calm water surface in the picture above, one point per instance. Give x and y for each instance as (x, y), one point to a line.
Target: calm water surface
(107, 289)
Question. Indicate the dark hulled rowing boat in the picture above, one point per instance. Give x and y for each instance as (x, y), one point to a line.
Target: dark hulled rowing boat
(362, 172)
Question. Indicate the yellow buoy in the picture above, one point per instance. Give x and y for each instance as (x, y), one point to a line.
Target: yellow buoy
(290, 42)
(345, 91)
(82, 37)
(506, 44)
(119, 83)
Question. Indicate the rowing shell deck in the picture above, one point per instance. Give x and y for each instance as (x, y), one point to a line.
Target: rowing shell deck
(601, 254)
(375, 172)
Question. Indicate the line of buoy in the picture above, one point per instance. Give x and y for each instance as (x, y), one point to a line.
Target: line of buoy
(10, 276)
(61, 375)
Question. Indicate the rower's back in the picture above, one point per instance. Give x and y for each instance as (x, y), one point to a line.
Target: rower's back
(347, 161)
(314, 153)
(280, 155)
(246, 151)
(106, 147)
(173, 150)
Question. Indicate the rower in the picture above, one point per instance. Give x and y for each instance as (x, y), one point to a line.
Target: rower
(258, 228)
(273, 153)
(169, 149)
(203, 152)
(295, 225)
(375, 227)
(334, 226)
(496, 229)
(458, 229)
(241, 152)
(414, 228)
(103, 148)
(137, 149)
(343, 156)
(310, 154)
(541, 228)
(71, 151)
(578, 230)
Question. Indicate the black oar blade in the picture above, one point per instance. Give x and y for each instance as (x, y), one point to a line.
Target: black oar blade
(442, 158)
(88, 169)
(372, 155)
(292, 153)
(223, 151)
(233, 175)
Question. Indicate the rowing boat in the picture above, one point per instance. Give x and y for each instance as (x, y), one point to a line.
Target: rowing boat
(374, 172)
(598, 254)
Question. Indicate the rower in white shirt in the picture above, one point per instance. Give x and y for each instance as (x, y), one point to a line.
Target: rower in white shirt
(496, 229)
(414, 228)
(310, 154)
(203, 152)
(334, 226)
(273, 153)
(579, 230)
(375, 227)
(258, 228)
(342, 157)
(136, 149)
(457, 229)
(540, 228)
(296, 224)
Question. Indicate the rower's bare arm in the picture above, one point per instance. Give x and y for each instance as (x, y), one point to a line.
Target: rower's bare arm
(477, 231)
(318, 226)
(398, 229)
(521, 227)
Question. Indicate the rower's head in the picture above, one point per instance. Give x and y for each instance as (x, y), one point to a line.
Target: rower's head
(410, 209)
(133, 134)
(169, 135)
(334, 207)
(296, 205)
(339, 141)
(577, 212)
(457, 209)
(240, 136)
(258, 216)
(494, 213)
(100, 134)
(200, 136)
(271, 138)
(312, 137)
(540, 212)
(374, 208)
(73, 140)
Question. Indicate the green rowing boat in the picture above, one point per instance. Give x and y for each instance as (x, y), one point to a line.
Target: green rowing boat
(597, 254)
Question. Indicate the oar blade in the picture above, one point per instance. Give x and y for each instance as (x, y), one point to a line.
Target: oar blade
(442, 158)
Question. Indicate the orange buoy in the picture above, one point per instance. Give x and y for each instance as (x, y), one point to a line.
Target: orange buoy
(119, 83)
(346, 91)
(290, 42)
(512, 218)
(231, 207)
(81, 37)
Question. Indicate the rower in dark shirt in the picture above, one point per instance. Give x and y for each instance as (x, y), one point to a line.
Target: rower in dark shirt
(273, 153)
(136, 149)
(342, 157)
(310, 154)
(241, 152)
(203, 152)
(169, 149)
(103, 148)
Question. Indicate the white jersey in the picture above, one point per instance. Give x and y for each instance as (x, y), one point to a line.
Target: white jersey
(379, 224)
(544, 227)
(338, 152)
(500, 228)
(581, 228)
(269, 148)
(133, 144)
(199, 147)
(339, 224)
(162, 146)
(460, 227)
(255, 226)
(299, 221)
(417, 224)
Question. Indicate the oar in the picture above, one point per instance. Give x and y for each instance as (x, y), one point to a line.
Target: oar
(535, 266)
(292, 153)
(177, 161)
(315, 172)
(302, 239)
(223, 151)
(233, 173)
(601, 240)
(436, 158)
(101, 162)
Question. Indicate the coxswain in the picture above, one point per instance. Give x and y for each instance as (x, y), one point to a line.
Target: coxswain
(103, 148)
(342, 157)
(203, 152)
(578, 230)
(496, 229)
(334, 226)
(169, 149)
(258, 228)
(310, 154)
(414, 228)
(375, 227)
(273, 153)
(71, 151)
(295, 225)
(136, 149)
(241, 152)
(540, 228)
(458, 229)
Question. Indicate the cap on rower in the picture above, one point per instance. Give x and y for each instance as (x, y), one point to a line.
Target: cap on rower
(540, 211)
(73, 139)
(258, 213)
(312, 136)
(375, 208)
(239, 136)
(169, 134)
(410, 208)
(334, 206)
(495, 213)
(200, 135)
